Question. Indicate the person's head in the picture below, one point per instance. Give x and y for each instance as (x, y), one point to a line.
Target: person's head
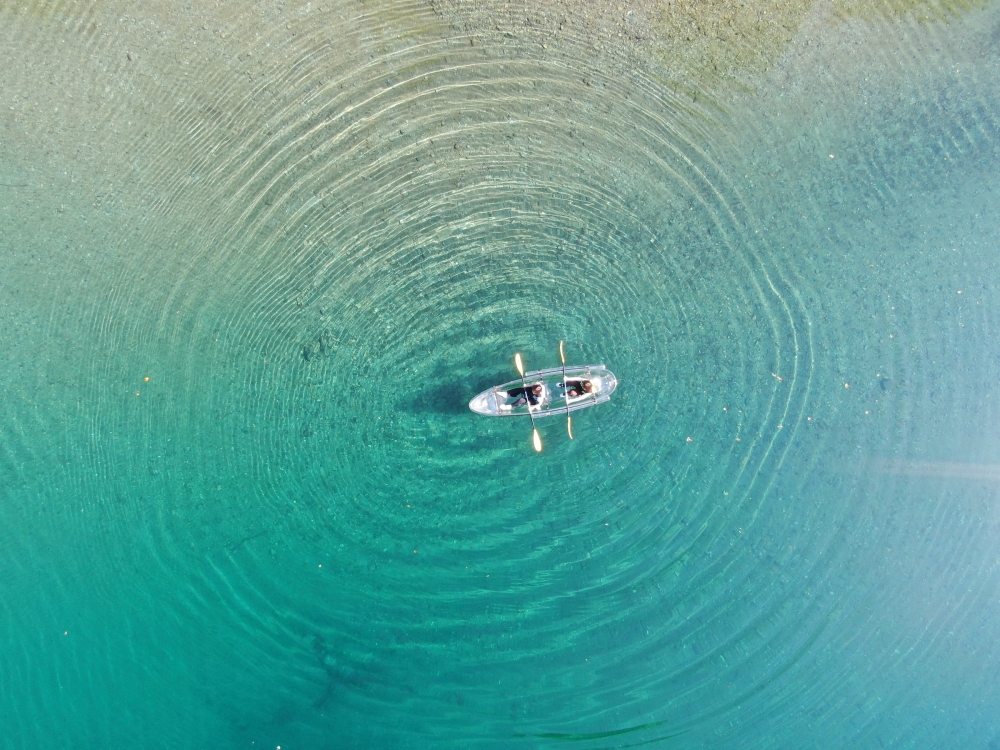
(537, 389)
(587, 386)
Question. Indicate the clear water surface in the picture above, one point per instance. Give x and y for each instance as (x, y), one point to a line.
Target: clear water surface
(255, 259)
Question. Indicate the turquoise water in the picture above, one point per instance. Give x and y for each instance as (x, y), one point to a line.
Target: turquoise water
(255, 262)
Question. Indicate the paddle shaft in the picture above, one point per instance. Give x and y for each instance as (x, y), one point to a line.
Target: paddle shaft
(569, 421)
(527, 401)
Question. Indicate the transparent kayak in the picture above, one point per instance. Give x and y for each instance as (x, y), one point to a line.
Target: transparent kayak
(502, 400)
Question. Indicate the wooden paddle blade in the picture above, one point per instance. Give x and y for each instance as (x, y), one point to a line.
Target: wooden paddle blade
(519, 364)
(562, 354)
(569, 426)
(536, 440)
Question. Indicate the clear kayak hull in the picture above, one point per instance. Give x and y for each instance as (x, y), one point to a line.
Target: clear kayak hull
(498, 401)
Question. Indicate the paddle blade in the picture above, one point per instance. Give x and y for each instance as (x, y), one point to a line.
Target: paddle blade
(519, 364)
(569, 426)
(536, 440)
(562, 354)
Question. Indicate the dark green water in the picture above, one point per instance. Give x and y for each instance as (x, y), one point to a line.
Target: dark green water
(255, 262)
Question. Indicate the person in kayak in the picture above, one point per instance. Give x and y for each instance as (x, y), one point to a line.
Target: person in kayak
(528, 395)
(576, 388)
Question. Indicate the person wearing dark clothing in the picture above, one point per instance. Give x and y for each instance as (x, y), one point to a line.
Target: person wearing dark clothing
(575, 388)
(528, 395)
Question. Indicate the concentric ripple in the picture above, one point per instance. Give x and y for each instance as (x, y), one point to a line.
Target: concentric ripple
(378, 240)
(335, 235)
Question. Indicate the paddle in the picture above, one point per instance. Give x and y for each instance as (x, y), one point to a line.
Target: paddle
(569, 420)
(536, 439)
